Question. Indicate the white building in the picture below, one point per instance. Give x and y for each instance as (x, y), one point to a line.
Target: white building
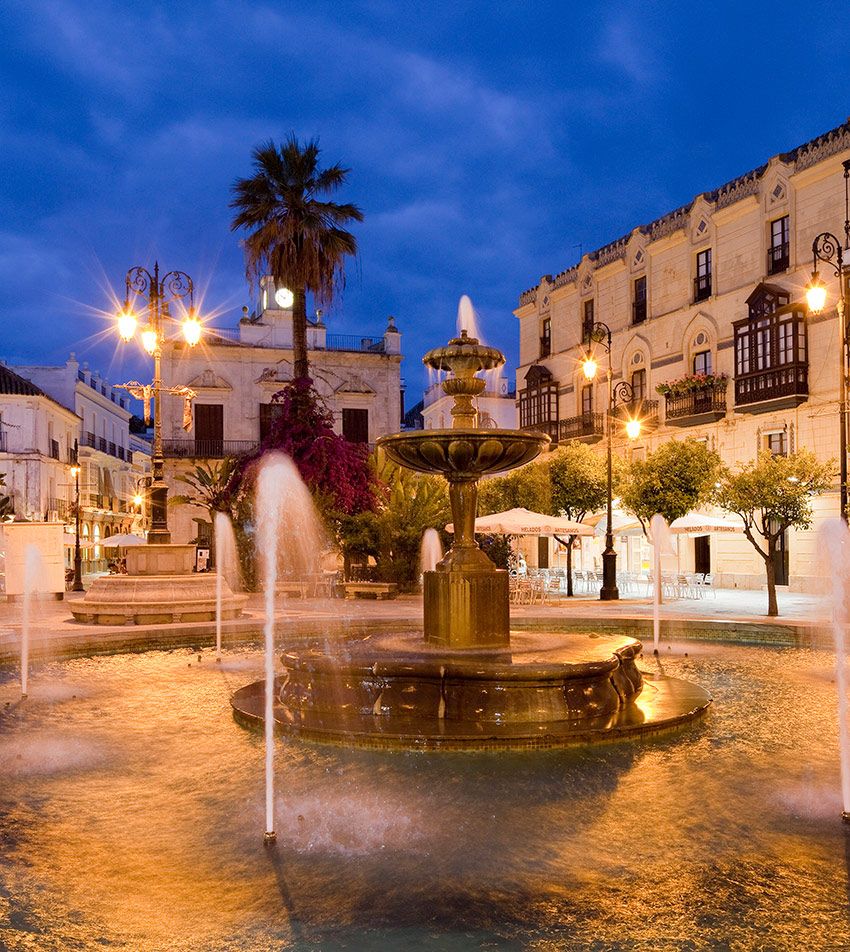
(111, 471)
(714, 287)
(37, 437)
(496, 406)
(235, 373)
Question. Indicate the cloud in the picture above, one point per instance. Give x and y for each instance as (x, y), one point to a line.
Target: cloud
(627, 47)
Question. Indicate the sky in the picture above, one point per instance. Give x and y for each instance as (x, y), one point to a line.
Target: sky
(489, 143)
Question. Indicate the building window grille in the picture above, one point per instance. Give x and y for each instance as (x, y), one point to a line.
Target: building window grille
(778, 259)
(702, 281)
(639, 300)
(777, 443)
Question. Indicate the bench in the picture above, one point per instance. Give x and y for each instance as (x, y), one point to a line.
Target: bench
(370, 589)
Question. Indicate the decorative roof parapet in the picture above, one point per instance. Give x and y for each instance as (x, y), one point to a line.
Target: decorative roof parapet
(802, 157)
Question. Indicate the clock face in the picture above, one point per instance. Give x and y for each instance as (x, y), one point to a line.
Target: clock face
(284, 298)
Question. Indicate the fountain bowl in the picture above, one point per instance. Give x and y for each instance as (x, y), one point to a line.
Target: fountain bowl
(463, 453)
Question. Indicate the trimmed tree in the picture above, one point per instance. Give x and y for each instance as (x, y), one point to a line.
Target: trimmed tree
(772, 494)
(292, 231)
(677, 477)
(579, 485)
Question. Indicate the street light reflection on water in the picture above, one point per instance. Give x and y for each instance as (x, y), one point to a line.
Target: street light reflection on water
(131, 802)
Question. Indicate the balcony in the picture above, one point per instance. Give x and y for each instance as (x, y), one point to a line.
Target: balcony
(704, 405)
(778, 258)
(586, 428)
(702, 288)
(550, 428)
(207, 449)
(644, 410)
(779, 388)
(101, 444)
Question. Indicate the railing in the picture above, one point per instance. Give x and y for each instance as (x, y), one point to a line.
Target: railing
(790, 380)
(644, 410)
(111, 449)
(95, 499)
(702, 287)
(207, 449)
(638, 312)
(61, 507)
(778, 258)
(583, 426)
(550, 428)
(709, 399)
(354, 342)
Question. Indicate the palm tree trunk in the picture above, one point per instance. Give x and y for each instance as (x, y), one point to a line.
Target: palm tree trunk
(301, 367)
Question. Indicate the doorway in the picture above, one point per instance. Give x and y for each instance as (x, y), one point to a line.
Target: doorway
(780, 555)
(209, 430)
(702, 555)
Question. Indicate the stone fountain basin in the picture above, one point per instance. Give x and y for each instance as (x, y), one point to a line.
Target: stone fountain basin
(395, 691)
(463, 452)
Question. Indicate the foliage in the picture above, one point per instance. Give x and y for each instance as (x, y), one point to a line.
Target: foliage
(292, 231)
(691, 382)
(212, 486)
(337, 472)
(678, 477)
(499, 549)
(527, 487)
(772, 494)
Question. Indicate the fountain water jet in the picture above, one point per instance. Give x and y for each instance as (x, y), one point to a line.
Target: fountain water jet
(836, 542)
(430, 551)
(32, 571)
(226, 569)
(468, 682)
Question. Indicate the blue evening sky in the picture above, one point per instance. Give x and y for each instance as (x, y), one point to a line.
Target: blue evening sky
(488, 143)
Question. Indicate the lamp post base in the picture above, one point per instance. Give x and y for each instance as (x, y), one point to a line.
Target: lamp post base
(609, 591)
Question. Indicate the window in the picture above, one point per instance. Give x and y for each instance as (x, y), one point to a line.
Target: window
(269, 412)
(702, 281)
(355, 425)
(546, 338)
(587, 399)
(777, 443)
(702, 362)
(588, 320)
(639, 384)
(639, 300)
(209, 429)
(778, 252)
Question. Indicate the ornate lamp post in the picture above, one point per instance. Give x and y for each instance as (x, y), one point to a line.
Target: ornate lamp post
(78, 557)
(622, 393)
(160, 292)
(827, 248)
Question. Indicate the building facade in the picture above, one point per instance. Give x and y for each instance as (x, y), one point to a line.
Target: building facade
(710, 329)
(37, 439)
(236, 372)
(497, 407)
(113, 464)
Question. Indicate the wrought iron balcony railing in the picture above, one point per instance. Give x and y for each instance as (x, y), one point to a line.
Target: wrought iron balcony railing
(587, 427)
(697, 406)
(702, 287)
(778, 258)
(207, 449)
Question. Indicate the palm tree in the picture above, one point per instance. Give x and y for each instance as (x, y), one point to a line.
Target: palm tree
(293, 233)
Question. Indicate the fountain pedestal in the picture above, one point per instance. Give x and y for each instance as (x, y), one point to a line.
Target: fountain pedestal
(463, 610)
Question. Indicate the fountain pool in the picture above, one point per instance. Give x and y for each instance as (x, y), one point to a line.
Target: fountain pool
(131, 801)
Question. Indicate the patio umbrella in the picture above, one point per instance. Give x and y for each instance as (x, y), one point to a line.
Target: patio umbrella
(624, 524)
(71, 540)
(697, 523)
(121, 541)
(524, 522)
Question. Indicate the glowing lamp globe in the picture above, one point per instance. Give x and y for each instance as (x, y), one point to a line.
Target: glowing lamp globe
(633, 429)
(149, 339)
(192, 328)
(127, 323)
(815, 295)
(589, 366)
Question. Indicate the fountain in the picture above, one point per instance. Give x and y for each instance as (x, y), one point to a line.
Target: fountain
(32, 571)
(226, 569)
(468, 682)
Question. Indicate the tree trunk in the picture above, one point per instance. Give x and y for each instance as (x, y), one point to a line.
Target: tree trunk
(301, 367)
(770, 567)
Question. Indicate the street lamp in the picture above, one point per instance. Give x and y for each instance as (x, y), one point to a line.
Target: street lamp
(827, 248)
(159, 293)
(78, 557)
(622, 393)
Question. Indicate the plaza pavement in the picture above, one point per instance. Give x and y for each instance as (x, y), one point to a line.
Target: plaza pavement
(727, 615)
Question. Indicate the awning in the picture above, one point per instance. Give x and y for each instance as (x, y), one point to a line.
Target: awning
(524, 522)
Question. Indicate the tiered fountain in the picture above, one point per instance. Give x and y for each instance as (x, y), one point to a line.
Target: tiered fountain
(469, 682)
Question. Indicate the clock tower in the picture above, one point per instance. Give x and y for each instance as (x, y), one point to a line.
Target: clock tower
(274, 297)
